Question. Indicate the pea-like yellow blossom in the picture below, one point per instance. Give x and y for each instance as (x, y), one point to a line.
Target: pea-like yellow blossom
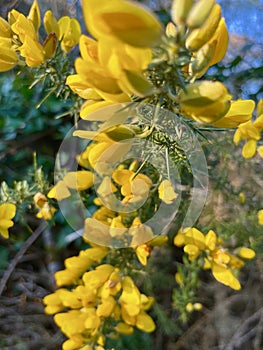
(7, 213)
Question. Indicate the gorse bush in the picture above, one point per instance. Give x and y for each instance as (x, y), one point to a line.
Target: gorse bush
(131, 176)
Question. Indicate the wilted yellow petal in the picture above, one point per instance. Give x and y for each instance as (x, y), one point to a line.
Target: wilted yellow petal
(34, 15)
(221, 37)
(8, 59)
(210, 240)
(51, 24)
(124, 328)
(204, 101)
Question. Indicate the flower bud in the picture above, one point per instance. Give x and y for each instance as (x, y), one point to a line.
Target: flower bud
(199, 13)
(198, 37)
(180, 10)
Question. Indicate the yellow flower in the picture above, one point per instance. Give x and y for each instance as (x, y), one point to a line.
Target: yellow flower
(251, 132)
(74, 343)
(133, 188)
(123, 20)
(5, 30)
(166, 192)
(140, 233)
(74, 180)
(34, 15)
(96, 278)
(8, 58)
(50, 23)
(69, 32)
(46, 212)
(23, 26)
(7, 212)
(133, 305)
(224, 275)
(240, 112)
(260, 217)
(32, 51)
(142, 252)
(53, 303)
(204, 101)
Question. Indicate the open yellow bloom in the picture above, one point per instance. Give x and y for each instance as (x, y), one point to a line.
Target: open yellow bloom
(80, 180)
(69, 32)
(251, 132)
(204, 101)
(240, 111)
(166, 192)
(7, 212)
(123, 20)
(219, 260)
(133, 188)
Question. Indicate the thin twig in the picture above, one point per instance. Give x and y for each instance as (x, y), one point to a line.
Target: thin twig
(20, 254)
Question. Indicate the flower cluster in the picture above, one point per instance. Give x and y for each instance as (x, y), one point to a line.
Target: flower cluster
(19, 37)
(210, 250)
(102, 302)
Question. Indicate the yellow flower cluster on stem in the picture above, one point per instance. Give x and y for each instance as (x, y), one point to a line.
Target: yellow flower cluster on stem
(213, 255)
(19, 37)
(101, 302)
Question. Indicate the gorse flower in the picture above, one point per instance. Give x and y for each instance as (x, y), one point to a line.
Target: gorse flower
(251, 132)
(209, 248)
(7, 213)
(97, 295)
(20, 37)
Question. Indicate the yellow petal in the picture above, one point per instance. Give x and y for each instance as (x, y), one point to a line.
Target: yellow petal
(210, 240)
(249, 149)
(260, 151)
(5, 30)
(79, 180)
(260, 217)
(179, 239)
(34, 15)
(246, 253)
(166, 192)
(223, 275)
(121, 176)
(59, 191)
(50, 45)
(240, 112)
(124, 20)
(145, 323)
